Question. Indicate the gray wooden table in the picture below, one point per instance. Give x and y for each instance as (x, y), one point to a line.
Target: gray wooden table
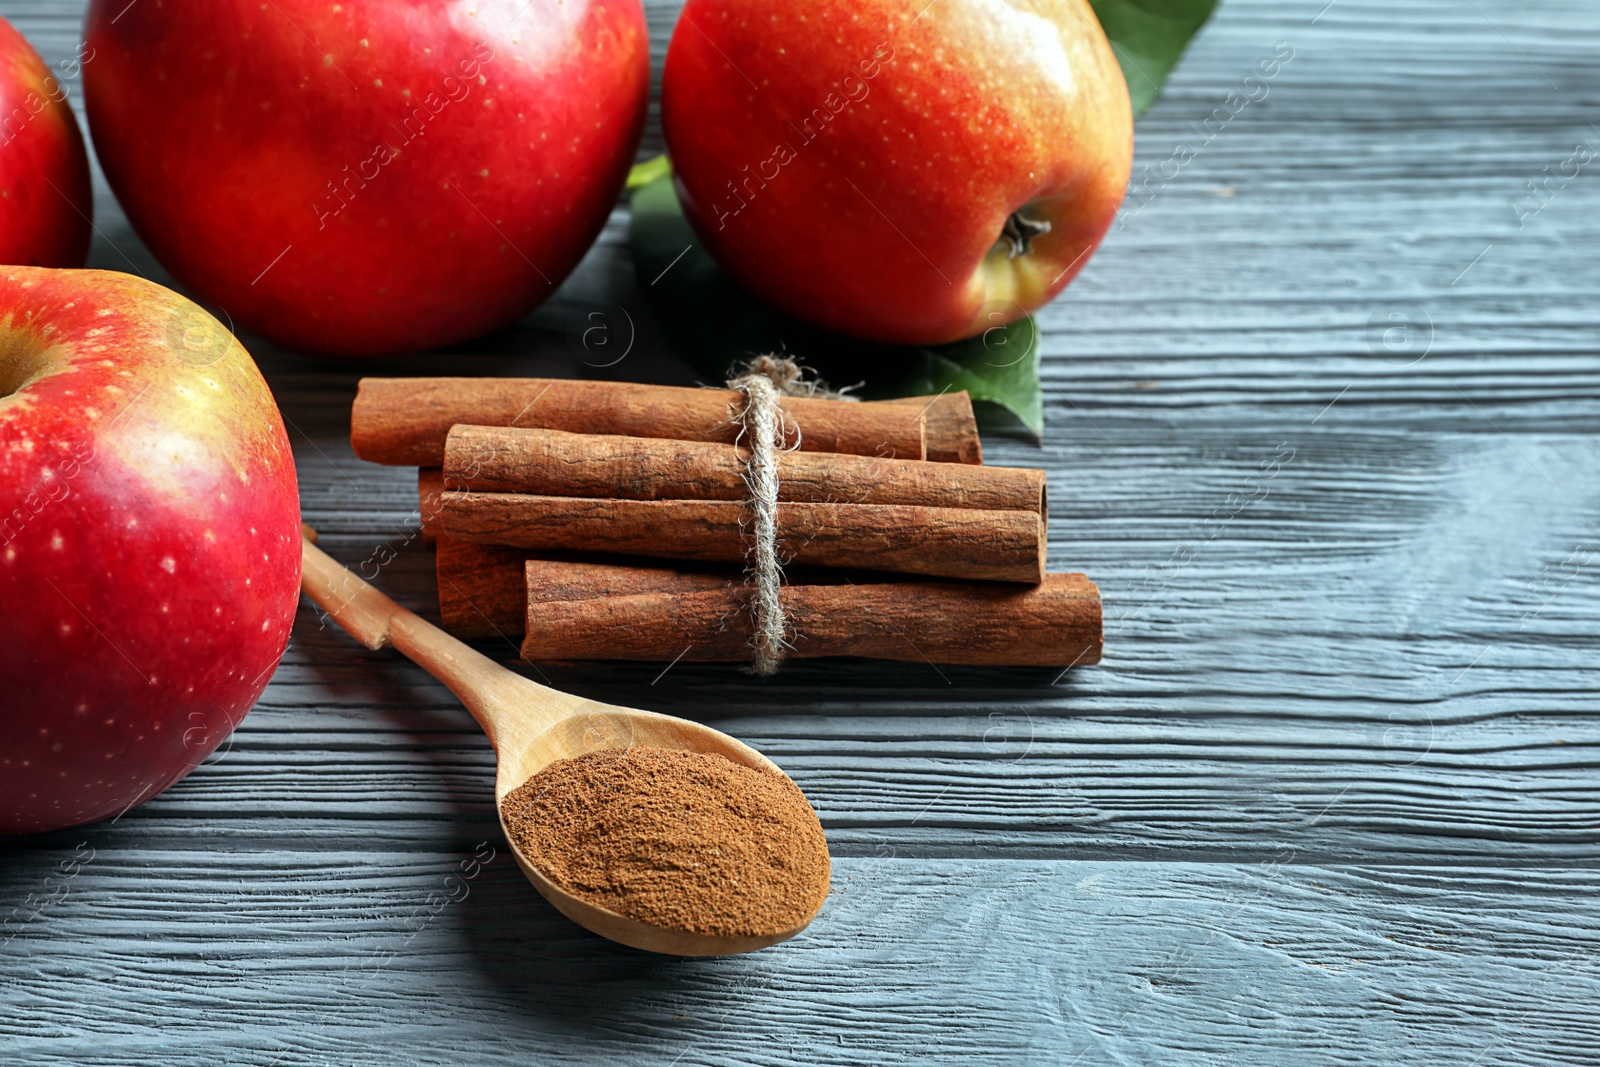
(1333, 796)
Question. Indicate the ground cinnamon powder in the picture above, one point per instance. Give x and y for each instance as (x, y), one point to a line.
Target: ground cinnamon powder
(682, 840)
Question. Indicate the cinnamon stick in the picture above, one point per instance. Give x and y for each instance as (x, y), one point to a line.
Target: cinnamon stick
(556, 463)
(971, 543)
(567, 580)
(482, 589)
(403, 421)
(430, 492)
(591, 611)
(951, 428)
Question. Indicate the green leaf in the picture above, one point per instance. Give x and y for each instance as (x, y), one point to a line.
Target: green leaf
(1148, 36)
(1000, 366)
(643, 174)
(714, 324)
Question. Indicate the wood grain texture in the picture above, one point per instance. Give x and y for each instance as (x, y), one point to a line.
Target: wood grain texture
(1351, 596)
(414, 958)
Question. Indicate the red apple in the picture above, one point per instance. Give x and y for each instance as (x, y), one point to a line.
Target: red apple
(149, 542)
(899, 170)
(368, 176)
(45, 198)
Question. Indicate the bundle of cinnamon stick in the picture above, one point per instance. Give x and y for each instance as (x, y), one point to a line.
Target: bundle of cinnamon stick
(553, 504)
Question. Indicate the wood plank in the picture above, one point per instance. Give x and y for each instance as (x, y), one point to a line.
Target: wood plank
(303, 953)
(1385, 627)
(1375, 656)
(1331, 798)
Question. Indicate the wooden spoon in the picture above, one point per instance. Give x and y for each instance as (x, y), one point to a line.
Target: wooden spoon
(530, 727)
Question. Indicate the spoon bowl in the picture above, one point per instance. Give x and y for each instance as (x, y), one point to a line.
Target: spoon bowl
(532, 726)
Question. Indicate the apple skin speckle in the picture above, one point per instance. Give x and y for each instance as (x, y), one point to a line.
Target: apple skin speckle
(122, 619)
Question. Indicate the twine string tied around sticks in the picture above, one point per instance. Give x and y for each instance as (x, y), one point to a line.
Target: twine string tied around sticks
(765, 381)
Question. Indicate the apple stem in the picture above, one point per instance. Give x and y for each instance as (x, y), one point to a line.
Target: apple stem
(1020, 231)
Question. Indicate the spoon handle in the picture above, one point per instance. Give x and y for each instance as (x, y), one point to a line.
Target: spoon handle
(491, 692)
